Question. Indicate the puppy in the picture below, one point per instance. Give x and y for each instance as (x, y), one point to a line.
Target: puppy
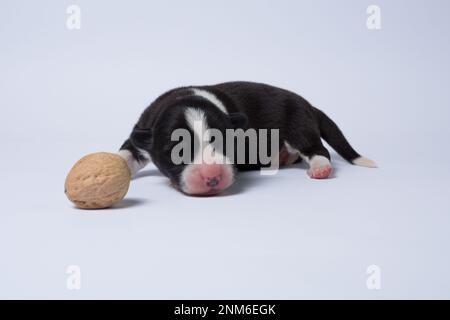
(238, 106)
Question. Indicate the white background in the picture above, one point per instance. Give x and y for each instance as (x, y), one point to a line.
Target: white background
(65, 93)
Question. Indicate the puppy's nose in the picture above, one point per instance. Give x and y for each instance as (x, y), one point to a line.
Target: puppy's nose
(212, 182)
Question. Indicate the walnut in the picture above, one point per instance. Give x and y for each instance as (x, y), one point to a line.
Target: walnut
(97, 181)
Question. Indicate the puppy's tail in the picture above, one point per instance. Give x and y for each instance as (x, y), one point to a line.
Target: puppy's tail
(331, 133)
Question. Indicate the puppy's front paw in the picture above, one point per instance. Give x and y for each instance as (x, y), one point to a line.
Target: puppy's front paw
(320, 172)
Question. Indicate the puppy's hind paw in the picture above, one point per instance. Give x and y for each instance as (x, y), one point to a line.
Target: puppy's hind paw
(320, 172)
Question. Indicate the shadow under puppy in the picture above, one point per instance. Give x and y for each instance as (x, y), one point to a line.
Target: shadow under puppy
(232, 105)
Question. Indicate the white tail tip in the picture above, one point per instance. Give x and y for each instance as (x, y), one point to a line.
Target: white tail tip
(364, 162)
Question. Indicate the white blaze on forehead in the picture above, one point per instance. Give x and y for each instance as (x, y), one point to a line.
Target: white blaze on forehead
(196, 120)
(206, 153)
(211, 98)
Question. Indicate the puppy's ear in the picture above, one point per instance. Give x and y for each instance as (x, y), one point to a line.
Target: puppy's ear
(239, 120)
(141, 137)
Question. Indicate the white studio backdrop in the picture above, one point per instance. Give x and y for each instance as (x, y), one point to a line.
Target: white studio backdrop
(67, 91)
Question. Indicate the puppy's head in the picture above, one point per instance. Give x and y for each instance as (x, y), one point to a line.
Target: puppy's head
(188, 145)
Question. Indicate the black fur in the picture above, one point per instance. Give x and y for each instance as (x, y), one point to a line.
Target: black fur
(249, 105)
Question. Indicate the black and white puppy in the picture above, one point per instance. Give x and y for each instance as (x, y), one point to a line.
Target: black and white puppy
(232, 105)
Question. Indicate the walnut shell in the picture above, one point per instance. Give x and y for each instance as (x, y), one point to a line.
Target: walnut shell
(97, 181)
